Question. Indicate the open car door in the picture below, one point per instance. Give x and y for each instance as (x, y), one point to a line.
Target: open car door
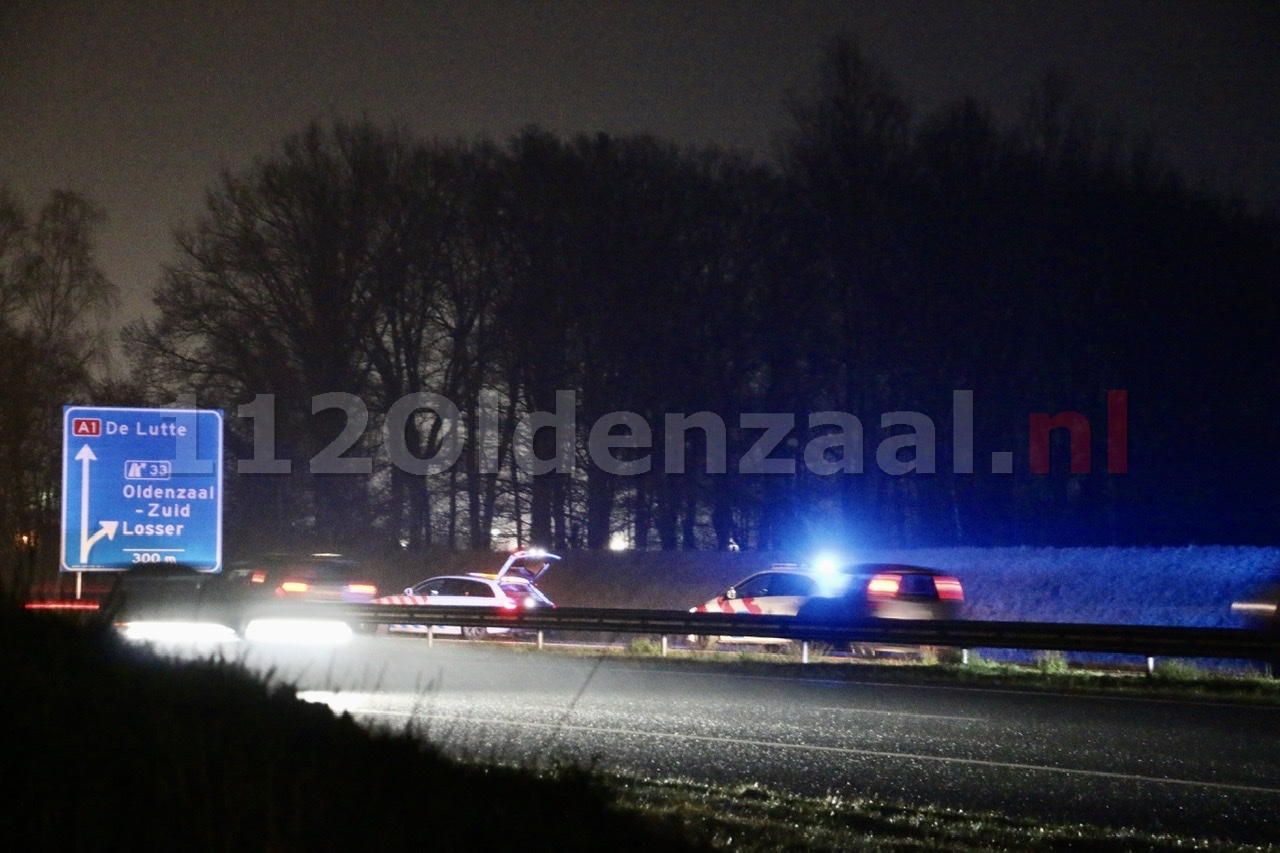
(530, 564)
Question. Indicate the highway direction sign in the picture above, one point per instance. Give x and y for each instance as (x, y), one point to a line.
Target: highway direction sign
(141, 486)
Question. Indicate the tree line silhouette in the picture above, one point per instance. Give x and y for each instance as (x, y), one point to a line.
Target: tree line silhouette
(880, 263)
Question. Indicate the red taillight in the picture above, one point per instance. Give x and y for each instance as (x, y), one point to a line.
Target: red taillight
(883, 586)
(508, 604)
(292, 588)
(362, 589)
(949, 589)
(61, 605)
(258, 577)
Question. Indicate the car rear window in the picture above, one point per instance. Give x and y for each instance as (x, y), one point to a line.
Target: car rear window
(917, 585)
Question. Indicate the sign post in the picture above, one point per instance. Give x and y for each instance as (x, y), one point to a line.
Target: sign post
(141, 486)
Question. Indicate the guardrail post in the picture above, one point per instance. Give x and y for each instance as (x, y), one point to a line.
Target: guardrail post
(539, 639)
(804, 651)
(1151, 665)
(964, 656)
(431, 637)
(664, 645)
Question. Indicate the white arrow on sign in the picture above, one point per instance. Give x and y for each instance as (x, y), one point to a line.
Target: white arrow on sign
(108, 528)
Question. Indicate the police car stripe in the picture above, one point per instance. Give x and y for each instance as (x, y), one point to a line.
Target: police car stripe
(403, 599)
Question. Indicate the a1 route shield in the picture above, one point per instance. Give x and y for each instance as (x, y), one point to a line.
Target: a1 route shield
(141, 486)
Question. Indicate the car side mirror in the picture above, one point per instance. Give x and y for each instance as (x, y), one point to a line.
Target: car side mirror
(408, 590)
(731, 593)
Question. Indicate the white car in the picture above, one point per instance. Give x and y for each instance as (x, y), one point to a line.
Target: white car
(780, 591)
(510, 589)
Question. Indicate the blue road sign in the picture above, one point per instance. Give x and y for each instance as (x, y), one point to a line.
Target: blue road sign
(141, 486)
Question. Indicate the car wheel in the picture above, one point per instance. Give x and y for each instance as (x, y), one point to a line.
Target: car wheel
(473, 632)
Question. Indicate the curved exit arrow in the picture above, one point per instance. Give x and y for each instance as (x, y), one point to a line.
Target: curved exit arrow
(108, 528)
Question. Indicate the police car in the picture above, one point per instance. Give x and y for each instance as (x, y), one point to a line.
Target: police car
(512, 588)
(836, 595)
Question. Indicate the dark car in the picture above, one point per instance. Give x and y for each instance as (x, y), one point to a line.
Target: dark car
(168, 600)
(837, 596)
(888, 591)
(281, 592)
(306, 577)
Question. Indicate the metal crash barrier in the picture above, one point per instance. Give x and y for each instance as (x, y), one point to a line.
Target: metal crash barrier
(1144, 640)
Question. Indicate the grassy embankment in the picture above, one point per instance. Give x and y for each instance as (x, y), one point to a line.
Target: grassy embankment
(109, 747)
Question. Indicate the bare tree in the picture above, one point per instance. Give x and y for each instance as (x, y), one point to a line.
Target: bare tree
(55, 306)
(276, 294)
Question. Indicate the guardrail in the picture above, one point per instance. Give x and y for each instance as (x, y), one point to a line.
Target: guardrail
(1143, 640)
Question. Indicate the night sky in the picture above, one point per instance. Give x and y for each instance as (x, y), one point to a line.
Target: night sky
(139, 103)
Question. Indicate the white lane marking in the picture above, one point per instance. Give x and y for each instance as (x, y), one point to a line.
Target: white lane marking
(891, 713)
(344, 701)
(837, 750)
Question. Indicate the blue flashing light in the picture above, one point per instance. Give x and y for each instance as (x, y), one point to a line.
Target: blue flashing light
(826, 564)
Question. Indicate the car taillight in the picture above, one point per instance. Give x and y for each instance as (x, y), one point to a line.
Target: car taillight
(292, 588)
(258, 577)
(362, 588)
(509, 604)
(883, 586)
(949, 589)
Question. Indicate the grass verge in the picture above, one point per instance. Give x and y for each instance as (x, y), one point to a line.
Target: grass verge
(750, 818)
(1172, 678)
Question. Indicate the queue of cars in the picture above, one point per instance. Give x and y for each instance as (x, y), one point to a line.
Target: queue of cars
(172, 601)
(239, 601)
(177, 602)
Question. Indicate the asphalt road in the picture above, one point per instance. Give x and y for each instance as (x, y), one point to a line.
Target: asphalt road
(1207, 769)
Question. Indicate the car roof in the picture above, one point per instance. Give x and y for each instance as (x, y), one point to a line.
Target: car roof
(855, 570)
(852, 568)
(479, 576)
(896, 568)
(281, 560)
(457, 577)
(146, 571)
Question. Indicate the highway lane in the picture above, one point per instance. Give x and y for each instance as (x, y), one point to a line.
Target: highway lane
(1200, 768)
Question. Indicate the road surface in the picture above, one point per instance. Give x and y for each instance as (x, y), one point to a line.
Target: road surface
(1201, 768)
